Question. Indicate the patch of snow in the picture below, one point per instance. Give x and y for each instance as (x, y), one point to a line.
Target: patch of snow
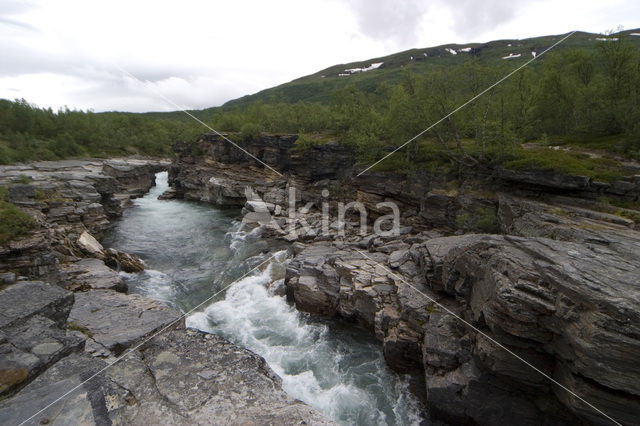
(350, 71)
(634, 34)
(453, 52)
(607, 39)
(343, 75)
(465, 49)
(511, 55)
(425, 54)
(533, 53)
(411, 58)
(509, 45)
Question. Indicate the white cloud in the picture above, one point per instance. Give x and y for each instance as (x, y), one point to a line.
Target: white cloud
(202, 53)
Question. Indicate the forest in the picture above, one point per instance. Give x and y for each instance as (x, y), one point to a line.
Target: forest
(576, 99)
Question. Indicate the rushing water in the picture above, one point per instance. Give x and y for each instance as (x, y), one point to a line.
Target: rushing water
(194, 251)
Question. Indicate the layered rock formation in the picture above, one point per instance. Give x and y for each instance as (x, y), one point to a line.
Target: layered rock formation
(59, 338)
(488, 324)
(67, 199)
(57, 344)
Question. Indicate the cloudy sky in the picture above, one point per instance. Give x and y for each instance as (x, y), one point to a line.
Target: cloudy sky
(133, 55)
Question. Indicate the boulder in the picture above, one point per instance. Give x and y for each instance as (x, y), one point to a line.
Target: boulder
(90, 245)
(87, 274)
(126, 262)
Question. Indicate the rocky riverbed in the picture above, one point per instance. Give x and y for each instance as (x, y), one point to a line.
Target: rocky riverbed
(531, 260)
(65, 316)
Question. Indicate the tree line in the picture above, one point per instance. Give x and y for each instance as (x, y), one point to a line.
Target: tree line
(576, 95)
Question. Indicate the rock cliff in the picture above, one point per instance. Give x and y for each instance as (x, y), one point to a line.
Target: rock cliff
(500, 267)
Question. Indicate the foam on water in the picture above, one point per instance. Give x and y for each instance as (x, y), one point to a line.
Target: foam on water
(347, 380)
(194, 250)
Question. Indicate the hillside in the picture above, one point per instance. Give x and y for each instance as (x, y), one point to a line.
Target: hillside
(498, 54)
(585, 92)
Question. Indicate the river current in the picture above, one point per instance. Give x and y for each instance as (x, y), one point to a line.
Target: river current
(193, 251)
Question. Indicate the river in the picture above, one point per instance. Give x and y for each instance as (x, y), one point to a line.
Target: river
(193, 251)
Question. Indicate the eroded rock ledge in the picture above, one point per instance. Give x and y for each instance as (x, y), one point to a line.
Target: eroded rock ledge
(555, 280)
(50, 338)
(57, 334)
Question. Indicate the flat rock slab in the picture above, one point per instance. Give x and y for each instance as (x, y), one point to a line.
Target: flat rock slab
(75, 409)
(92, 274)
(180, 377)
(25, 299)
(190, 377)
(30, 347)
(117, 320)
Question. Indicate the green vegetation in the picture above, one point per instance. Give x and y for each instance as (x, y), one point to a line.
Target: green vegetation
(31, 133)
(72, 325)
(49, 195)
(583, 96)
(482, 219)
(13, 221)
(307, 141)
(22, 179)
(575, 163)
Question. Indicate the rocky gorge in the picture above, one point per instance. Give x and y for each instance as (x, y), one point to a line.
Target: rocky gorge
(66, 317)
(508, 295)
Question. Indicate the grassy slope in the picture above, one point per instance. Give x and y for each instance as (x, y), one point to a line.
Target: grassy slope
(318, 87)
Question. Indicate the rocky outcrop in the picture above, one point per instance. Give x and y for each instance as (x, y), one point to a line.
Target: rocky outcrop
(91, 274)
(58, 339)
(72, 202)
(568, 309)
(181, 376)
(56, 346)
(116, 321)
(556, 289)
(537, 181)
(32, 320)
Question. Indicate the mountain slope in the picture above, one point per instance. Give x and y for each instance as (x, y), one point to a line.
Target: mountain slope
(503, 54)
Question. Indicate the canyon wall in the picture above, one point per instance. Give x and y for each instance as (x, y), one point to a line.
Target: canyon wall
(507, 295)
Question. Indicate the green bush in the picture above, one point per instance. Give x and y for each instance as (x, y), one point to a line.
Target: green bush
(487, 220)
(573, 163)
(13, 221)
(250, 131)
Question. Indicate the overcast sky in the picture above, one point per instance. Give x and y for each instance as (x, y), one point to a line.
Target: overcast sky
(203, 53)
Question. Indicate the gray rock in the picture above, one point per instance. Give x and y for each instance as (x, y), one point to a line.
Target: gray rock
(25, 299)
(7, 278)
(179, 377)
(545, 178)
(89, 274)
(116, 320)
(554, 303)
(194, 377)
(30, 347)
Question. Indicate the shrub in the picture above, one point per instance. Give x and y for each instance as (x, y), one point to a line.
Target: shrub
(13, 221)
(574, 163)
(250, 131)
(487, 221)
